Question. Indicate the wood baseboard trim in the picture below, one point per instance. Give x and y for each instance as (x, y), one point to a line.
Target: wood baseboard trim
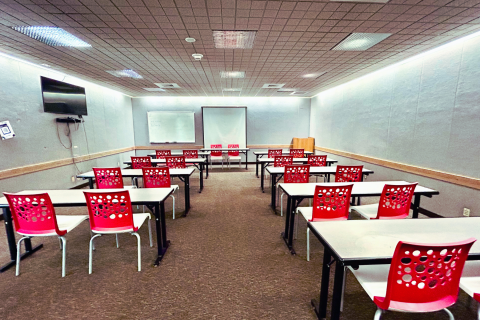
(14, 172)
(453, 178)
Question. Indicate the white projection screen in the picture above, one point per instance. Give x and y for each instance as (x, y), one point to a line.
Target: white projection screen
(224, 125)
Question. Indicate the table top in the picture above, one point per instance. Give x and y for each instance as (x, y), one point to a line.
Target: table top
(189, 160)
(294, 160)
(225, 149)
(75, 197)
(200, 153)
(313, 170)
(138, 173)
(286, 152)
(365, 189)
(357, 240)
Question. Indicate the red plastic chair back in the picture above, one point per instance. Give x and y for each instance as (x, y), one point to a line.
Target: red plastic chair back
(282, 161)
(395, 201)
(140, 162)
(161, 154)
(317, 160)
(158, 177)
(296, 174)
(33, 214)
(216, 153)
(349, 174)
(190, 154)
(297, 153)
(424, 277)
(234, 153)
(110, 211)
(176, 162)
(331, 202)
(274, 152)
(108, 178)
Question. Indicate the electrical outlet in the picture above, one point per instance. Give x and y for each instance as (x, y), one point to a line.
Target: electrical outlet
(73, 178)
(466, 212)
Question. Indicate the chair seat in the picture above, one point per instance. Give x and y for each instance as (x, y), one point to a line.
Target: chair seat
(67, 223)
(307, 213)
(234, 157)
(368, 211)
(138, 220)
(216, 157)
(470, 280)
(373, 278)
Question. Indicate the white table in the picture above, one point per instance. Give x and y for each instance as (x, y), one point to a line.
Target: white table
(224, 150)
(361, 242)
(201, 162)
(183, 174)
(152, 198)
(296, 192)
(279, 171)
(260, 154)
(264, 162)
(201, 154)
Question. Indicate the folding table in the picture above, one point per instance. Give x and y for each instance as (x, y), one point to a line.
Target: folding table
(362, 242)
(224, 150)
(264, 162)
(201, 154)
(183, 174)
(278, 171)
(260, 154)
(154, 199)
(296, 192)
(199, 163)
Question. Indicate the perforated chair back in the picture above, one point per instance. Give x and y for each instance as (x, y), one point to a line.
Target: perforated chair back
(108, 178)
(424, 277)
(161, 154)
(296, 174)
(190, 154)
(141, 162)
(331, 201)
(158, 177)
(216, 153)
(176, 162)
(33, 214)
(317, 160)
(282, 161)
(349, 174)
(234, 153)
(395, 201)
(110, 211)
(274, 152)
(297, 153)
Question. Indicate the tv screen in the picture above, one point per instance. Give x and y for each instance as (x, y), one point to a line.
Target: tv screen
(61, 97)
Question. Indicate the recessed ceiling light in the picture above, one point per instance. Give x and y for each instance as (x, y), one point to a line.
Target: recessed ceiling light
(153, 89)
(197, 56)
(313, 75)
(232, 89)
(233, 39)
(190, 40)
(361, 41)
(52, 36)
(273, 85)
(167, 85)
(127, 73)
(232, 74)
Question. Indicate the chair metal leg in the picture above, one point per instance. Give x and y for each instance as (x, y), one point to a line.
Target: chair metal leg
(344, 287)
(296, 225)
(90, 254)
(173, 206)
(139, 251)
(19, 248)
(450, 315)
(60, 241)
(64, 254)
(281, 204)
(116, 239)
(308, 244)
(150, 231)
(378, 314)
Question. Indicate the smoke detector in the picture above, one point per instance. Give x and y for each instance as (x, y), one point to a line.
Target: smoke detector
(197, 56)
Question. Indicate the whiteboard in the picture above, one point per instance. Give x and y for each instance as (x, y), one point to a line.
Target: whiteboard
(171, 126)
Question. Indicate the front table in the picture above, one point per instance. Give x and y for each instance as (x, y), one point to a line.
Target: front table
(260, 154)
(152, 198)
(202, 154)
(363, 242)
(241, 150)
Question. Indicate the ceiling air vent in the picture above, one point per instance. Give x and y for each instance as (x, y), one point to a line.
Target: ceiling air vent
(167, 85)
(273, 85)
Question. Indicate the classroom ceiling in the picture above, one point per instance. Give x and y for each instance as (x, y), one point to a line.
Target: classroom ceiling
(293, 38)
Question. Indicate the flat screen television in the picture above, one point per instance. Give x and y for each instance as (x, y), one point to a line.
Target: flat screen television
(64, 98)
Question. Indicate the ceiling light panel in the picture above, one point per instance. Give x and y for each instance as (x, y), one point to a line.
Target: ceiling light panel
(233, 39)
(273, 85)
(313, 75)
(232, 74)
(167, 85)
(52, 36)
(127, 73)
(361, 41)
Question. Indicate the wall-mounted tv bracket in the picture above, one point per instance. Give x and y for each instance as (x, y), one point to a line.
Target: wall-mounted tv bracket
(68, 120)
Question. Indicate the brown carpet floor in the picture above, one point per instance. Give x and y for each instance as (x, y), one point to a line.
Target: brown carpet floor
(226, 261)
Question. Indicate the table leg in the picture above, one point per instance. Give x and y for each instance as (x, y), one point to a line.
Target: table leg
(202, 167)
(262, 175)
(416, 206)
(162, 243)
(293, 208)
(187, 194)
(287, 221)
(246, 160)
(207, 167)
(321, 306)
(337, 290)
(256, 165)
(274, 191)
(90, 183)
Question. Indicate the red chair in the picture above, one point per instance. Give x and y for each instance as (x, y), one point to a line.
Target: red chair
(176, 162)
(111, 213)
(140, 162)
(216, 156)
(294, 174)
(108, 178)
(394, 203)
(331, 202)
(317, 161)
(349, 174)
(190, 154)
(234, 155)
(421, 277)
(274, 152)
(159, 177)
(297, 153)
(34, 216)
(282, 161)
(161, 154)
